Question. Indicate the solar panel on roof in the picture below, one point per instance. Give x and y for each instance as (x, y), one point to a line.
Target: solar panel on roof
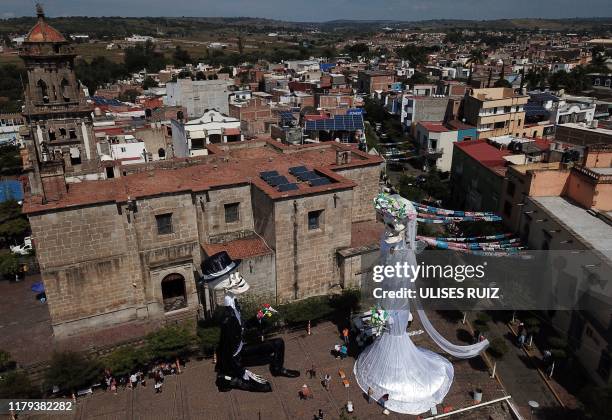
(277, 180)
(306, 176)
(268, 174)
(319, 181)
(286, 115)
(287, 187)
(297, 169)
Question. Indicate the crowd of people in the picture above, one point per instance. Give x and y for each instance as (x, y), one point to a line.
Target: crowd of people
(157, 374)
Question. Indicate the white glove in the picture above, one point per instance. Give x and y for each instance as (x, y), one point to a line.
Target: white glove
(250, 375)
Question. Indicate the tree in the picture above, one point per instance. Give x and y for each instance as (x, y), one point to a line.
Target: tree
(169, 342)
(416, 55)
(71, 371)
(477, 56)
(129, 95)
(9, 265)
(98, 72)
(13, 225)
(16, 384)
(502, 82)
(240, 45)
(10, 160)
(125, 360)
(418, 78)
(409, 190)
(184, 74)
(498, 347)
(149, 83)
(181, 57)
(12, 79)
(209, 338)
(142, 57)
(357, 50)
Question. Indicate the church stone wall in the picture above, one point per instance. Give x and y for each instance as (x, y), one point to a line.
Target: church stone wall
(88, 265)
(306, 259)
(367, 180)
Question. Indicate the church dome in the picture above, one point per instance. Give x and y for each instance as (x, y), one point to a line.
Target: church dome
(42, 31)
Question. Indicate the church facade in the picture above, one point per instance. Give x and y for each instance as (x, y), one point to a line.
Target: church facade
(127, 251)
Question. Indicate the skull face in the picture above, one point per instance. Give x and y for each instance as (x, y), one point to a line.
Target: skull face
(233, 283)
(393, 226)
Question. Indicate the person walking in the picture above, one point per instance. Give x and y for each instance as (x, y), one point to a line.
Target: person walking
(345, 335)
(159, 381)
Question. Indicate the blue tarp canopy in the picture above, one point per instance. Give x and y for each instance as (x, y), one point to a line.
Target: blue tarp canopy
(11, 190)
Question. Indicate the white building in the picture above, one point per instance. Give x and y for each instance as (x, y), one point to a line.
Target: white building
(130, 151)
(436, 141)
(140, 39)
(191, 138)
(198, 96)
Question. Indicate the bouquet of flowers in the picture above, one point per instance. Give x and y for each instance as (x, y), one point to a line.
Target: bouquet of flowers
(265, 311)
(378, 319)
(388, 205)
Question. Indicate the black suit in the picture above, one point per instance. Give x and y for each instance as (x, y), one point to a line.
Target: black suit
(231, 364)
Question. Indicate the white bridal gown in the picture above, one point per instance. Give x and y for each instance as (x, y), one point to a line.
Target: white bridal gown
(414, 378)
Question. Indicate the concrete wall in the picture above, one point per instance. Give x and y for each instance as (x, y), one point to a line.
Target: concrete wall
(198, 95)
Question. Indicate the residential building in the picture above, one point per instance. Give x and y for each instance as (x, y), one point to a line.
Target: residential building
(10, 124)
(570, 210)
(479, 168)
(435, 142)
(495, 111)
(191, 138)
(198, 96)
(341, 128)
(422, 108)
(255, 115)
(582, 134)
(372, 82)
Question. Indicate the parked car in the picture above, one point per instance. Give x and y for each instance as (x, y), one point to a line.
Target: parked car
(25, 248)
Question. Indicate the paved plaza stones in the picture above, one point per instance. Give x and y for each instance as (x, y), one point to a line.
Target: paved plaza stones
(193, 394)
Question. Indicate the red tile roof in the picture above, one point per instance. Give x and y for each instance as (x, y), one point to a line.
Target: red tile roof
(434, 127)
(43, 32)
(239, 249)
(228, 164)
(483, 152)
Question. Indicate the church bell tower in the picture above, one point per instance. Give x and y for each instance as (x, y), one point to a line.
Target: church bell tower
(60, 127)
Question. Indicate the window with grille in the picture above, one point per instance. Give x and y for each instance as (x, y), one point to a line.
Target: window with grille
(164, 223)
(315, 219)
(232, 212)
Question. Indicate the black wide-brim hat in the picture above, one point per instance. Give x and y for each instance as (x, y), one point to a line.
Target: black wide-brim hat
(218, 265)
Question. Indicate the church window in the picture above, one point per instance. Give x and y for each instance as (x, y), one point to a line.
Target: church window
(174, 293)
(42, 90)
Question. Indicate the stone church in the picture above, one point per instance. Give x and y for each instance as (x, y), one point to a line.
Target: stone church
(59, 136)
(124, 254)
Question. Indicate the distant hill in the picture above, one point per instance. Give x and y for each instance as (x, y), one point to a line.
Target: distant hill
(102, 27)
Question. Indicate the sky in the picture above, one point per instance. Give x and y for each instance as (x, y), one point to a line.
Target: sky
(318, 10)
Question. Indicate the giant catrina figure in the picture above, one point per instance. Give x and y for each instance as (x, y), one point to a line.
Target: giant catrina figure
(407, 378)
(233, 354)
